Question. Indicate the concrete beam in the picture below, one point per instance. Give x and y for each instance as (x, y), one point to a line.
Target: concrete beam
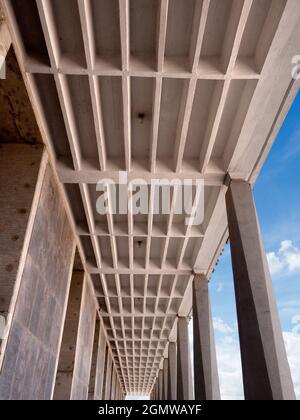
(184, 374)
(206, 378)
(266, 372)
(172, 371)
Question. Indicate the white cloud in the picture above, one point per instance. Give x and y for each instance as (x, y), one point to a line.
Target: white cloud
(275, 263)
(292, 345)
(229, 359)
(230, 369)
(221, 326)
(219, 287)
(286, 258)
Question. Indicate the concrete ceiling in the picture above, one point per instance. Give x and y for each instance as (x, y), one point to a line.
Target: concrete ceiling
(178, 88)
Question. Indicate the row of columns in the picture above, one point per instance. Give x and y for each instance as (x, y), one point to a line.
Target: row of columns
(112, 389)
(266, 373)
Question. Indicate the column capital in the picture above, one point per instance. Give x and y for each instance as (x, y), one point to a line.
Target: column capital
(229, 178)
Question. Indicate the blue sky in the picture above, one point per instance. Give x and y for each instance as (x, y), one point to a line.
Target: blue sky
(277, 197)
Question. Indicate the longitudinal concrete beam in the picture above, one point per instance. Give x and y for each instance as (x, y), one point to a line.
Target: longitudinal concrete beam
(266, 372)
(206, 378)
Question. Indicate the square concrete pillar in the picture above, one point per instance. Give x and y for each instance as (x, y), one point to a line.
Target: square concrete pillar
(165, 379)
(184, 374)
(172, 371)
(113, 385)
(206, 379)
(99, 380)
(266, 372)
(160, 385)
(84, 344)
(107, 389)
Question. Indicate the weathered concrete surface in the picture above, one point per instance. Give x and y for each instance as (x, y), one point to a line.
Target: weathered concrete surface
(172, 371)
(19, 168)
(84, 345)
(160, 385)
(5, 38)
(94, 361)
(108, 377)
(165, 379)
(17, 121)
(184, 374)
(206, 377)
(99, 380)
(65, 367)
(29, 365)
(105, 372)
(266, 372)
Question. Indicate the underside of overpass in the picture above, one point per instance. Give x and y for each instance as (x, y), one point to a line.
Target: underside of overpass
(167, 90)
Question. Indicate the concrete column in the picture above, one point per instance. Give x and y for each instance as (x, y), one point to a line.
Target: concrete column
(172, 372)
(99, 380)
(160, 385)
(84, 344)
(184, 389)
(65, 368)
(165, 379)
(113, 385)
(108, 377)
(155, 390)
(266, 372)
(117, 391)
(206, 379)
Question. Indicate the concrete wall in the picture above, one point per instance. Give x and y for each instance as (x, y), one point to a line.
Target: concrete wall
(29, 365)
(84, 345)
(19, 168)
